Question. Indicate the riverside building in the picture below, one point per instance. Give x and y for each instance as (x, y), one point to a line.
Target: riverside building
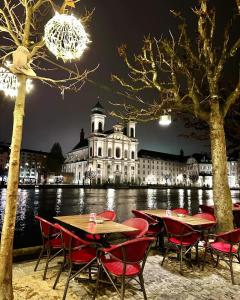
(112, 156)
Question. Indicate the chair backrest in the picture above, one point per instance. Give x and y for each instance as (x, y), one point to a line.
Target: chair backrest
(180, 211)
(139, 214)
(108, 214)
(133, 251)
(232, 236)
(236, 204)
(140, 224)
(177, 228)
(69, 238)
(207, 209)
(47, 228)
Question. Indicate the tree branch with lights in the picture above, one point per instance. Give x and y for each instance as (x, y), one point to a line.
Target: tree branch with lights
(183, 74)
(25, 56)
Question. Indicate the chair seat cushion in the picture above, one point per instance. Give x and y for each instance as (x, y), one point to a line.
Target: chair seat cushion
(56, 243)
(83, 255)
(177, 241)
(222, 247)
(115, 267)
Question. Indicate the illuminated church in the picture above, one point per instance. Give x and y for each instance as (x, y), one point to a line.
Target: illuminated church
(105, 156)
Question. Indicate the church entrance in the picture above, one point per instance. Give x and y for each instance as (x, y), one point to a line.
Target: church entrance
(117, 179)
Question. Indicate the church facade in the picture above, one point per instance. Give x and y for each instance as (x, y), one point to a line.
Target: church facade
(105, 156)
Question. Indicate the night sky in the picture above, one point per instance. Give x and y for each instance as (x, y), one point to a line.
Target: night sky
(49, 118)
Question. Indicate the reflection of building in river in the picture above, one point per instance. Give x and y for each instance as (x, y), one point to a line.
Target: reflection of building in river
(112, 157)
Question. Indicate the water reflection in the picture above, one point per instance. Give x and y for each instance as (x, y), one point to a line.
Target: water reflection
(51, 202)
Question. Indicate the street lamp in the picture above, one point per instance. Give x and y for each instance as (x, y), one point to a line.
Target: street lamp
(165, 119)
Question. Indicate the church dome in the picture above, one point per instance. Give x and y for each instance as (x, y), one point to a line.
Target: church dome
(98, 109)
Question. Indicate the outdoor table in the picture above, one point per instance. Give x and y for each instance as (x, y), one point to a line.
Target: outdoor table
(82, 222)
(190, 220)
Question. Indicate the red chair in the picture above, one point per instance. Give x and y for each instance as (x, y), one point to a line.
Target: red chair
(51, 241)
(141, 226)
(181, 236)
(83, 255)
(227, 247)
(125, 261)
(154, 227)
(207, 209)
(108, 214)
(180, 211)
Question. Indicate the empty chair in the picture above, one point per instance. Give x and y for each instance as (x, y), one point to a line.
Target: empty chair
(226, 247)
(141, 226)
(108, 214)
(51, 241)
(83, 255)
(180, 211)
(181, 236)
(154, 226)
(125, 261)
(207, 209)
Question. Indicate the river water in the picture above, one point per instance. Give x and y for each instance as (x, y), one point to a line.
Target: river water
(51, 202)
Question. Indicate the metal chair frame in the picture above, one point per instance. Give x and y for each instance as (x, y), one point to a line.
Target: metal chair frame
(46, 245)
(67, 251)
(182, 250)
(227, 257)
(124, 276)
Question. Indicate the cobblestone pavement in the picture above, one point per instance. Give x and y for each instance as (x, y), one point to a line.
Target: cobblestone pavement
(160, 282)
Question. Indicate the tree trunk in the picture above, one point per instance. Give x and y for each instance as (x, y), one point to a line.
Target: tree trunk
(221, 192)
(6, 290)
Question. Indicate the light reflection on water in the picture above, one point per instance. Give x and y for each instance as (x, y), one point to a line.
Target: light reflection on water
(51, 202)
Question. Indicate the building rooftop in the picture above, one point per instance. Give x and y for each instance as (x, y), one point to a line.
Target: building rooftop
(160, 155)
(98, 109)
(82, 144)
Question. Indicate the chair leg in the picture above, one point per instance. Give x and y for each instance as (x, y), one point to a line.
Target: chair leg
(217, 261)
(122, 287)
(181, 259)
(67, 283)
(59, 273)
(204, 259)
(46, 266)
(142, 286)
(231, 268)
(165, 255)
(97, 282)
(39, 258)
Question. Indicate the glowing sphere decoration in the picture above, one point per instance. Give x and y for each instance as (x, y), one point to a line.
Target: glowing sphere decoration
(9, 83)
(65, 37)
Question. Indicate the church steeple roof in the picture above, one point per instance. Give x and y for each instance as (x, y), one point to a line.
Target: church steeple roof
(98, 109)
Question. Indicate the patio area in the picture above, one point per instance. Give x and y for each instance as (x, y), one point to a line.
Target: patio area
(160, 282)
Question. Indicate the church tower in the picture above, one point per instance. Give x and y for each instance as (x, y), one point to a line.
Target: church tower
(98, 118)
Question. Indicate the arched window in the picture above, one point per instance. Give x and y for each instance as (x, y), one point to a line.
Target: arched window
(90, 152)
(126, 154)
(132, 155)
(92, 126)
(132, 132)
(99, 151)
(100, 127)
(109, 152)
(118, 152)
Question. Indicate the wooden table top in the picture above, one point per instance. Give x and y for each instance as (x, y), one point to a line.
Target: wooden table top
(82, 222)
(190, 220)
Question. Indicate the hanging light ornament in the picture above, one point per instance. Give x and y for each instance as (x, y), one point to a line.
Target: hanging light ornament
(65, 37)
(165, 119)
(9, 82)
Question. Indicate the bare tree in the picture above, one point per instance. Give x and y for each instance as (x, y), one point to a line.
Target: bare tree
(21, 29)
(185, 74)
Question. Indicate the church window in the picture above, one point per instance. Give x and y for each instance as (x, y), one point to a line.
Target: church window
(99, 166)
(109, 152)
(132, 132)
(118, 152)
(90, 152)
(132, 155)
(126, 154)
(99, 151)
(100, 127)
(92, 126)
